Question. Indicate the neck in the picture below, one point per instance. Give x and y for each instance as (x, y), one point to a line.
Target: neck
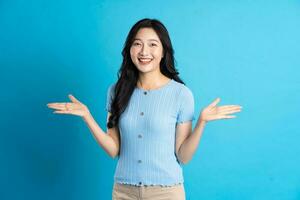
(148, 81)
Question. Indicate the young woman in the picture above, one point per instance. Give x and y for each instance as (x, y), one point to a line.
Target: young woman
(149, 120)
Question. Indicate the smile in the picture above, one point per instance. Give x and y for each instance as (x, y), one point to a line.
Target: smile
(145, 60)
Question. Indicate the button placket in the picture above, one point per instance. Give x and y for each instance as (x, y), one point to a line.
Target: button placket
(145, 93)
(140, 135)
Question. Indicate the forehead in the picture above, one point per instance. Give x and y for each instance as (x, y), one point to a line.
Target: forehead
(147, 34)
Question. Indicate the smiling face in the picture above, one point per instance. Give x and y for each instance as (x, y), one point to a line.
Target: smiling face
(146, 50)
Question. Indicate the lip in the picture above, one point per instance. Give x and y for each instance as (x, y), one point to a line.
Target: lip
(145, 58)
(145, 63)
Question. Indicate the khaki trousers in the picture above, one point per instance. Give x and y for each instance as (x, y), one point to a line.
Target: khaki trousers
(154, 192)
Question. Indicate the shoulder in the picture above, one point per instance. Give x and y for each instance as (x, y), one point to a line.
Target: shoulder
(183, 90)
(111, 87)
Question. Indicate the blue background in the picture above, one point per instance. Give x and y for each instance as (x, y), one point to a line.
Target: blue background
(245, 52)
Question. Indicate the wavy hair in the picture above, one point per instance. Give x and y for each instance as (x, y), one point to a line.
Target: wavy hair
(128, 73)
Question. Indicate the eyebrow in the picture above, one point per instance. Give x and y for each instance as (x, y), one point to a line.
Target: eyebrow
(148, 40)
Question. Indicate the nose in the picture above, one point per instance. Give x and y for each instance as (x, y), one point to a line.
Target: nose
(144, 50)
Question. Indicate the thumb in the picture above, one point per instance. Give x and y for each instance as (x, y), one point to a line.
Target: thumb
(215, 102)
(73, 99)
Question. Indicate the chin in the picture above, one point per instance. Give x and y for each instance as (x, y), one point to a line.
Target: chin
(145, 69)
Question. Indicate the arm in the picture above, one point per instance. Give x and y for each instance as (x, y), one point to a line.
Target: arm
(110, 141)
(188, 140)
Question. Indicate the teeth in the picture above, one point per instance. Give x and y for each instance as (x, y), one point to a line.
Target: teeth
(145, 59)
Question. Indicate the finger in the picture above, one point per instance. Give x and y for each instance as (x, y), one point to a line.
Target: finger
(73, 99)
(229, 112)
(62, 112)
(58, 106)
(52, 104)
(227, 116)
(215, 102)
(230, 106)
(222, 109)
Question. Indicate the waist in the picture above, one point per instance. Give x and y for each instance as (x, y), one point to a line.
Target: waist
(148, 173)
(132, 185)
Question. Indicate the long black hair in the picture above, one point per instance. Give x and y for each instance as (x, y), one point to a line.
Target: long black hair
(128, 73)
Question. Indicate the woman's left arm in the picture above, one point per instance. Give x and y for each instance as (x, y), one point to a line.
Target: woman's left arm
(187, 140)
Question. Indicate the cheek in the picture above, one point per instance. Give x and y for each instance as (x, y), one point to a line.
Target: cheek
(158, 53)
(133, 52)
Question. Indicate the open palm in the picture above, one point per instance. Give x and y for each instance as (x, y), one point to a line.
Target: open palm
(214, 112)
(75, 107)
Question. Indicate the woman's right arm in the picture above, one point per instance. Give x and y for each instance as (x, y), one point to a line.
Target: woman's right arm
(108, 141)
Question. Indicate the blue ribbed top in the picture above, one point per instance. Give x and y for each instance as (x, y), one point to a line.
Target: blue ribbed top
(147, 134)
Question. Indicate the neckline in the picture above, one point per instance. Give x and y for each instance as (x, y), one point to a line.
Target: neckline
(156, 89)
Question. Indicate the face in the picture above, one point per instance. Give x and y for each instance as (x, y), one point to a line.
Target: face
(146, 50)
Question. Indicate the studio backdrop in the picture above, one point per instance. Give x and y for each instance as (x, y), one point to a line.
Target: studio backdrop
(245, 52)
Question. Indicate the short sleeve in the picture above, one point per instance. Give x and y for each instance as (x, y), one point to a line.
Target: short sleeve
(186, 109)
(109, 97)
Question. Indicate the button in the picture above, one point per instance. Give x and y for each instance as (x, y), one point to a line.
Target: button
(145, 93)
(140, 136)
(139, 161)
(142, 113)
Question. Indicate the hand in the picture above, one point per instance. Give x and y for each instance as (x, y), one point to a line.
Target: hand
(75, 107)
(213, 112)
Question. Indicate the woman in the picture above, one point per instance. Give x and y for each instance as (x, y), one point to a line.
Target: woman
(149, 120)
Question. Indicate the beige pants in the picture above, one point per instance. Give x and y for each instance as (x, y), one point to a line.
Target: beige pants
(156, 192)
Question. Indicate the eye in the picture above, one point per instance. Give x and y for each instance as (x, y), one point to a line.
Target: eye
(136, 43)
(153, 44)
